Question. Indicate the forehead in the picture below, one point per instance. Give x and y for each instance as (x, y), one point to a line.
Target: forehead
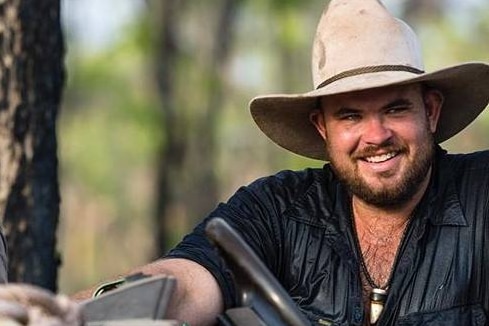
(380, 96)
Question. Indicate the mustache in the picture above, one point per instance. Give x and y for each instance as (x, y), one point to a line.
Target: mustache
(372, 150)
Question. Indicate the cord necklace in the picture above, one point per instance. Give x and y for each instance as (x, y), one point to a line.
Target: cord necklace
(378, 294)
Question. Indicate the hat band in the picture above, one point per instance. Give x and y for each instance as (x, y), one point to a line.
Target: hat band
(367, 70)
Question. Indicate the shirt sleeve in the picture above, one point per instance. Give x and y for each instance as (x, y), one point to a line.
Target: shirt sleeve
(197, 248)
(253, 212)
(257, 213)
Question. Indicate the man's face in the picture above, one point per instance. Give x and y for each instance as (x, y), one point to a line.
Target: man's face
(380, 141)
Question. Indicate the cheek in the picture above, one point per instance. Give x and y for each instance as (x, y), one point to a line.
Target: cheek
(423, 127)
(345, 130)
(340, 141)
(416, 135)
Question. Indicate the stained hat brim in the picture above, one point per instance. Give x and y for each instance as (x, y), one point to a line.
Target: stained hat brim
(284, 118)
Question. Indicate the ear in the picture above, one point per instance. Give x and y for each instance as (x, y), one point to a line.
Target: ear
(433, 101)
(317, 119)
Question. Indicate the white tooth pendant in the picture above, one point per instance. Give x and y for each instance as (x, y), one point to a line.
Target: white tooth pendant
(377, 300)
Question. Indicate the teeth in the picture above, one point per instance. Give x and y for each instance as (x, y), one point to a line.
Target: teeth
(380, 158)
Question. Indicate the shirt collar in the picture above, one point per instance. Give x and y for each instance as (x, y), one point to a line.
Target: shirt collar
(444, 205)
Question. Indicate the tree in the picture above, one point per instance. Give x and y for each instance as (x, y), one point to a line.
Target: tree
(187, 183)
(417, 10)
(31, 82)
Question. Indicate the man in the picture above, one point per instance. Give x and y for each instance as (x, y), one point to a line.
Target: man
(392, 230)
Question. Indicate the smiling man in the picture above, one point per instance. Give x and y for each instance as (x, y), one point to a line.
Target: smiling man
(381, 148)
(380, 142)
(392, 230)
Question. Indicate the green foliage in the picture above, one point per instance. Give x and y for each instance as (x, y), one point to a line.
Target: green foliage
(109, 135)
(110, 121)
(459, 37)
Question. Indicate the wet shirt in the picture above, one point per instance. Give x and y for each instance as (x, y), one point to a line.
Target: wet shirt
(299, 224)
(3, 258)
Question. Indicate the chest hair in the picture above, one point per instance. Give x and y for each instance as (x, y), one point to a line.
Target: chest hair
(379, 253)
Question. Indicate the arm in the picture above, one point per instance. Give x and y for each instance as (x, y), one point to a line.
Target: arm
(255, 211)
(197, 298)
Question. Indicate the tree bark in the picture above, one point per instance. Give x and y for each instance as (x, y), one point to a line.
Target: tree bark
(31, 82)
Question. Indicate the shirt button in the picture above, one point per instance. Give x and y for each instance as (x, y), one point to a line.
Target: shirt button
(357, 315)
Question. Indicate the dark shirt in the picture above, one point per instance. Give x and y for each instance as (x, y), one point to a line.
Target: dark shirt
(3, 258)
(299, 224)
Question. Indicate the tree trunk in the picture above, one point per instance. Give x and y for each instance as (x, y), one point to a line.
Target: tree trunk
(203, 188)
(418, 10)
(31, 82)
(172, 153)
(187, 183)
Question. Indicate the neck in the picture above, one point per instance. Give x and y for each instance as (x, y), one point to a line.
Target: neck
(387, 218)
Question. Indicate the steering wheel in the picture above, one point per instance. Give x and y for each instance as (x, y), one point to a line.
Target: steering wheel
(258, 289)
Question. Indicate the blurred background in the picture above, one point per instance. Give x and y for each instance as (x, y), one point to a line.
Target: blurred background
(154, 128)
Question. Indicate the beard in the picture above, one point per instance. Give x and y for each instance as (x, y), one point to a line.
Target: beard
(393, 194)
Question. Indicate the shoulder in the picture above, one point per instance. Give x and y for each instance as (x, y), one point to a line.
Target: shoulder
(293, 184)
(468, 163)
(283, 189)
(298, 180)
(470, 173)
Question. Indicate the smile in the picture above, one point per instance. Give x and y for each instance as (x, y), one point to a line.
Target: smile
(380, 158)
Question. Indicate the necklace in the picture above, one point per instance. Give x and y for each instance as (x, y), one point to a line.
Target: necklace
(378, 294)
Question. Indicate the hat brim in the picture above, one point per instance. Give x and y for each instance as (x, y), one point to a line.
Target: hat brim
(284, 118)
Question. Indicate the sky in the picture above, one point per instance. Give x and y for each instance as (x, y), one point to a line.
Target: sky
(95, 24)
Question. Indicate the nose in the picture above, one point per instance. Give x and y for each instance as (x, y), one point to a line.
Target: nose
(375, 131)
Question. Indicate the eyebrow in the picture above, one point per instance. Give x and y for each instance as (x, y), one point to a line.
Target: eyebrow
(398, 102)
(395, 103)
(344, 111)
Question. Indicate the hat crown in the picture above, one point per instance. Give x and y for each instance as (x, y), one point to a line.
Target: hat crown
(356, 34)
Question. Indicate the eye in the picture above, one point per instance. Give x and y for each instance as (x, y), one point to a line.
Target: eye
(349, 116)
(397, 109)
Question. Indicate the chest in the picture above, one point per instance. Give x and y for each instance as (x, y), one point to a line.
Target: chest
(377, 262)
(435, 269)
(377, 254)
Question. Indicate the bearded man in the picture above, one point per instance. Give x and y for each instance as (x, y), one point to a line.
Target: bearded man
(393, 230)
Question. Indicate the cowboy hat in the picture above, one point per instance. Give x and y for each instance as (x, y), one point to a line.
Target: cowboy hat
(359, 45)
